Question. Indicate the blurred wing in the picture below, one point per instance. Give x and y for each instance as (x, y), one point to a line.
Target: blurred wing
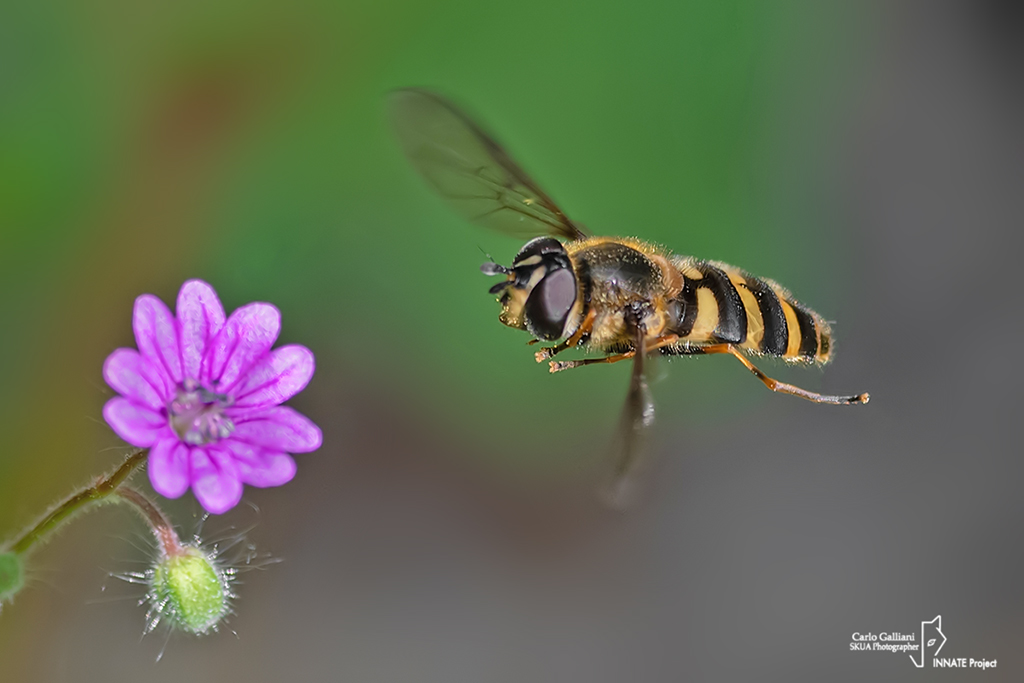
(471, 171)
(637, 418)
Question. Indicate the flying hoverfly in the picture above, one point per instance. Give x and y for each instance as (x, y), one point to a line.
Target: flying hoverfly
(617, 296)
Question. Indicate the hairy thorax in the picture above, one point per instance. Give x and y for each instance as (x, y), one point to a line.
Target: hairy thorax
(619, 275)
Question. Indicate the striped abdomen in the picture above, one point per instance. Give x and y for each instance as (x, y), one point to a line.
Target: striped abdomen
(720, 303)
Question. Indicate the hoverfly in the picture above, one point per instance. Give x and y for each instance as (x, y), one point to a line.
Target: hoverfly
(617, 296)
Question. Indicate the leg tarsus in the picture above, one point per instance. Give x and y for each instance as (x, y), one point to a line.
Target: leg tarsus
(782, 387)
(559, 365)
(550, 351)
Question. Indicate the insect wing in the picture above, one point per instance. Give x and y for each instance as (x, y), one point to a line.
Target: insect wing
(637, 418)
(471, 171)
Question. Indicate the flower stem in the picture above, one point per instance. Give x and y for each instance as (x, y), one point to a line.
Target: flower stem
(154, 516)
(77, 502)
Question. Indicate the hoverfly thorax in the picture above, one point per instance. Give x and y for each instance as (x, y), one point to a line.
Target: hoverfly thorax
(539, 290)
(617, 296)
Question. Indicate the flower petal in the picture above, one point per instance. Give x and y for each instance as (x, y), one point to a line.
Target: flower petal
(168, 467)
(138, 425)
(248, 334)
(201, 317)
(279, 429)
(136, 378)
(156, 334)
(215, 480)
(281, 374)
(259, 467)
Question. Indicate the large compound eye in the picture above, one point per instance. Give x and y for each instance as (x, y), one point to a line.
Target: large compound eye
(537, 247)
(548, 304)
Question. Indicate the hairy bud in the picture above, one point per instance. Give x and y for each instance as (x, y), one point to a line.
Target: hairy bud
(189, 591)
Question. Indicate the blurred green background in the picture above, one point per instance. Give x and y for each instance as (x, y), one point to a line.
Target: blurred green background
(855, 152)
(245, 143)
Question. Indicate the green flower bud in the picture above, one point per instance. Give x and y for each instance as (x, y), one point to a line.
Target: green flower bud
(190, 591)
(12, 575)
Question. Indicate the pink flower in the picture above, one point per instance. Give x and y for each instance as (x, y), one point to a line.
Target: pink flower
(203, 394)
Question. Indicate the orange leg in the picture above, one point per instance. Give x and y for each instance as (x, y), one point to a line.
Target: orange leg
(664, 340)
(585, 327)
(558, 366)
(782, 387)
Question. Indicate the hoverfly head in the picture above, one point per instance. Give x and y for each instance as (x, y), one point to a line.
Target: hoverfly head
(539, 290)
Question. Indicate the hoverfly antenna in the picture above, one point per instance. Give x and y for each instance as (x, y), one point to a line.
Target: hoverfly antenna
(492, 268)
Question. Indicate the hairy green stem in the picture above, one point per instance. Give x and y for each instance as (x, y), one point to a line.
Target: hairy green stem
(77, 502)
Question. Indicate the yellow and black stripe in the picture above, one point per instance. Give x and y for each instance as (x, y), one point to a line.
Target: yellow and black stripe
(719, 303)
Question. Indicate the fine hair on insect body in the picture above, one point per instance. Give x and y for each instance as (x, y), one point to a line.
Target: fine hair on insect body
(619, 298)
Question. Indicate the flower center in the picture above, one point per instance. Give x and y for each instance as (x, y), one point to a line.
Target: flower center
(197, 414)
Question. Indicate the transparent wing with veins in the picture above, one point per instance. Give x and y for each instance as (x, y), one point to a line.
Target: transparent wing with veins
(472, 172)
(631, 442)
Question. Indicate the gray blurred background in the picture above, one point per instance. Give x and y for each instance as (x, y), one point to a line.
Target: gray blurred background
(868, 156)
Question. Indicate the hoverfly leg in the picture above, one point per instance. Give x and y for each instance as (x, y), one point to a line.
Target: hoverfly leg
(574, 339)
(559, 365)
(549, 351)
(662, 341)
(782, 387)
